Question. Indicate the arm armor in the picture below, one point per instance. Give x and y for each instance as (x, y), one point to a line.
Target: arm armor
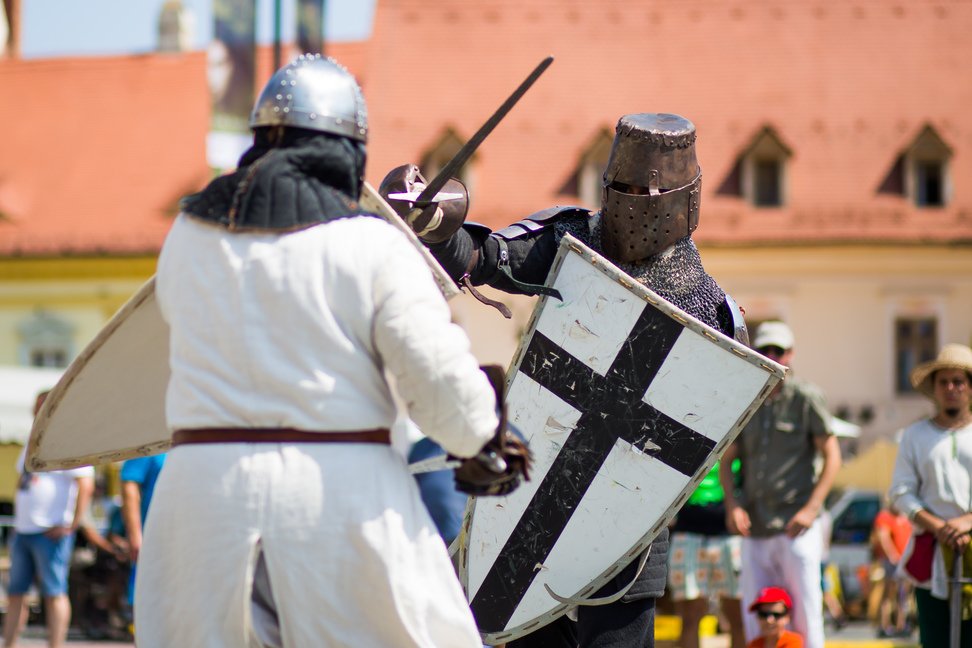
(515, 259)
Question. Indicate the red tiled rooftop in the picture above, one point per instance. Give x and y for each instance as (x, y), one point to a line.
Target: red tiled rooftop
(847, 85)
(96, 152)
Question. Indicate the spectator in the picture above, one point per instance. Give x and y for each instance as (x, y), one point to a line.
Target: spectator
(829, 575)
(445, 503)
(782, 494)
(932, 485)
(49, 508)
(138, 478)
(772, 608)
(704, 563)
(889, 538)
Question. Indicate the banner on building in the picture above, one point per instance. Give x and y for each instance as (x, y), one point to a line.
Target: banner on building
(231, 70)
(310, 26)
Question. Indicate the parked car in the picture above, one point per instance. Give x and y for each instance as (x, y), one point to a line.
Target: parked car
(852, 514)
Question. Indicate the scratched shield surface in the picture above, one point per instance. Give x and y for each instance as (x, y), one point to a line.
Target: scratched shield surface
(626, 402)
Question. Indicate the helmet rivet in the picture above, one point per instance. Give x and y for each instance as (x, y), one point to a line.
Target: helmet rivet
(313, 115)
(286, 110)
(338, 121)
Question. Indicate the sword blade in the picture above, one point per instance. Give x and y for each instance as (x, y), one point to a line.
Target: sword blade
(432, 464)
(453, 165)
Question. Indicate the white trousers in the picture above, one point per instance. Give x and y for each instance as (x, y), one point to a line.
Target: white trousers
(350, 552)
(793, 564)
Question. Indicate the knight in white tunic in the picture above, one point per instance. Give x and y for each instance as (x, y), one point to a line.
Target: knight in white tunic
(284, 516)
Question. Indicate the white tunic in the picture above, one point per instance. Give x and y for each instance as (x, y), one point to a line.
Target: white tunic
(933, 471)
(297, 330)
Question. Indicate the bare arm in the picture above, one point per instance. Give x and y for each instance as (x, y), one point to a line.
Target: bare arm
(737, 519)
(85, 491)
(132, 516)
(830, 449)
(883, 537)
(953, 532)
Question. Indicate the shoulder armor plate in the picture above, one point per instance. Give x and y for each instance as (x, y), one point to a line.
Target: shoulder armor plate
(539, 221)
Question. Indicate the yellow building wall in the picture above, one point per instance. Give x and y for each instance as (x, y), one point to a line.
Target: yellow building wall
(84, 292)
(9, 452)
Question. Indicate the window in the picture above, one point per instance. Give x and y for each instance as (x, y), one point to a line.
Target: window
(766, 189)
(915, 341)
(921, 171)
(929, 184)
(759, 173)
(439, 154)
(46, 341)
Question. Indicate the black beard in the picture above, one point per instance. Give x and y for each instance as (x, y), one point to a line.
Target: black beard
(951, 412)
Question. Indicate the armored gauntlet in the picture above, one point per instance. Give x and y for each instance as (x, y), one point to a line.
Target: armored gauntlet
(503, 462)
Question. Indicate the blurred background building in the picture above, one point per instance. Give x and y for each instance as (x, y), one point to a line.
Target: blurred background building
(835, 141)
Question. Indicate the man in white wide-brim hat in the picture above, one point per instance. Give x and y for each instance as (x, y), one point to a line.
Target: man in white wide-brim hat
(932, 485)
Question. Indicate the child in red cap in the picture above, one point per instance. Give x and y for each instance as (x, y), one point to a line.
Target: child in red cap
(772, 606)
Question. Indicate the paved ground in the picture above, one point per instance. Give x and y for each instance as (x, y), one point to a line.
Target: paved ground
(857, 634)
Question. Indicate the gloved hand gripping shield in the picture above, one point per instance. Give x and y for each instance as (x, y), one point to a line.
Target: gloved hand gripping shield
(504, 462)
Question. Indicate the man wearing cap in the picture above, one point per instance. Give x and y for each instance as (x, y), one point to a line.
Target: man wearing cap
(781, 495)
(772, 608)
(932, 485)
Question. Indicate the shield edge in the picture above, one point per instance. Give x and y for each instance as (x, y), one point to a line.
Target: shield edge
(774, 371)
(39, 428)
(370, 200)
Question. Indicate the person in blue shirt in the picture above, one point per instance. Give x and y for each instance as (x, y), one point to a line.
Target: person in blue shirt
(138, 477)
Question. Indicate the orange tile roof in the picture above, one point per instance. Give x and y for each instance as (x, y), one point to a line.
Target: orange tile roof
(847, 85)
(96, 151)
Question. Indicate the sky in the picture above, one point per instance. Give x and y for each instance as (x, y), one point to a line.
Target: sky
(96, 27)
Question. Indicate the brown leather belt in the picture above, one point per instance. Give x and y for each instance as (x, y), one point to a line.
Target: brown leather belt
(278, 435)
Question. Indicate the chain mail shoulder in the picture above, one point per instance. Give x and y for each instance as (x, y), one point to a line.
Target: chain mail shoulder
(676, 274)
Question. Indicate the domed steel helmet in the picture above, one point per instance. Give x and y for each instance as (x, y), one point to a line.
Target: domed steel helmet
(650, 190)
(314, 93)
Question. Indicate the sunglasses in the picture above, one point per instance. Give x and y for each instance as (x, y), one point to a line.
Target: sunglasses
(772, 351)
(769, 614)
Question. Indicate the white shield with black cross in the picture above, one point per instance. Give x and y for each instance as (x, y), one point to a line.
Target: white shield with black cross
(626, 402)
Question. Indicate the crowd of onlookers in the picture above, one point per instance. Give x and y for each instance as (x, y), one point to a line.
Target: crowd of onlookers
(76, 563)
(753, 537)
(776, 532)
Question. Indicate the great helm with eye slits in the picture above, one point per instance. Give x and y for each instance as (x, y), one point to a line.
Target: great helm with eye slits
(650, 190)
(314, 93)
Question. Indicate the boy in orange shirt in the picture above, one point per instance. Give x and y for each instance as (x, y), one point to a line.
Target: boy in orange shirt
(772, 606)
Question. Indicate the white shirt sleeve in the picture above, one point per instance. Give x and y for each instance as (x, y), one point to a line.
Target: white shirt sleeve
(905, 481)
(439, 379)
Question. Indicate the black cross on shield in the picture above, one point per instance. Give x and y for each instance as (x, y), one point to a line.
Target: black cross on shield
(612, 408)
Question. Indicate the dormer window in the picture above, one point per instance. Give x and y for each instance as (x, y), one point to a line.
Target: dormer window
(763, 169)
(926, 165)
(590, 168)
(921, 171)
(439, 154)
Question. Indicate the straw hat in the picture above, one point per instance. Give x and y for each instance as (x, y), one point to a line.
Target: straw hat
(952, 356)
